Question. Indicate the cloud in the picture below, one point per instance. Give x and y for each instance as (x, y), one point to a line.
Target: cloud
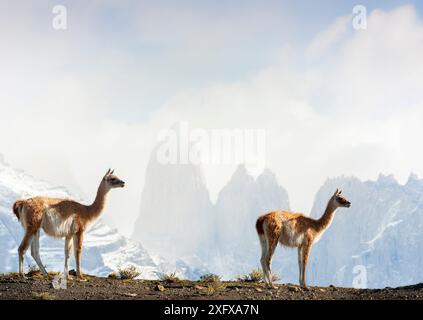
(329, 37)
(355, 115)
(80, 102)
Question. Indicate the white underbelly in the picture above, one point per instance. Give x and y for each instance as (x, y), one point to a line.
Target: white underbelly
(290, 238)
(56, 226)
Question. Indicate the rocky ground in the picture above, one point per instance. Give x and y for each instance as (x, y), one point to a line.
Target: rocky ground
(37, 287)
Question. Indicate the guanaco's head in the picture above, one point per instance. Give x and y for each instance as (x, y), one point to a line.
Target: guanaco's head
(111, 181)
(340, 200)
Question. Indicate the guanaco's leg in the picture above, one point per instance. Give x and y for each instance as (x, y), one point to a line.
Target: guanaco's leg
(68, 247)
(303, 255)
(26, 241)
(35, 252)
(271, 246)
(300, 265)
(77, 244)
(264, 249)
(265, 263)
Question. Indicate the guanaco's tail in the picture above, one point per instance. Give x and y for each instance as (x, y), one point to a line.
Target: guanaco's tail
(259, 225)
(17, 206)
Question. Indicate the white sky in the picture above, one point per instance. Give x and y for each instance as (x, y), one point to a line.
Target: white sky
(333, 100)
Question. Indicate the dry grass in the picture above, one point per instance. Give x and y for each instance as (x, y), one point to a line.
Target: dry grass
(209, 278)
(128, 273)
(45, 296)
(256, 275)
(35, 272)
(169, 277)
(13, 274)
(214, 287)
(212, 282)
(113, 275)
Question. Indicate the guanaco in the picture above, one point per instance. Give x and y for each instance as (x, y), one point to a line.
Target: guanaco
(60, 218)
(294, 230)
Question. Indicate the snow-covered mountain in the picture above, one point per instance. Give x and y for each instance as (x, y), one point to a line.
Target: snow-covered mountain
(104, 248)
(380, 234)
(236, 210)
(176, 211)
(378, 239)
(178, 220)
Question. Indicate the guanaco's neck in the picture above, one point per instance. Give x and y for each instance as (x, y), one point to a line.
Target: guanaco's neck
(95, 209)
(326, 219)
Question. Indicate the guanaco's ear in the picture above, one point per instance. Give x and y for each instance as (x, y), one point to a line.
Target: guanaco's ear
(336, 192)
(111, 172)
(107, 173)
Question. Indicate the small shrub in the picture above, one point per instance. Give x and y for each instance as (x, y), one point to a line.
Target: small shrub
(169, 277)
(214, 287)
(33, 271)
(256, 275)
(113, 275)
(210, 278)
(45, 296)
(128, 273)
(13, 274)
(210, 290)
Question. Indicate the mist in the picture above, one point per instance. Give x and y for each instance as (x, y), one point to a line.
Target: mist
(334, 101)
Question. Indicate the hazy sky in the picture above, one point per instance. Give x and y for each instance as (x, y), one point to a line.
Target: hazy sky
(333, 100)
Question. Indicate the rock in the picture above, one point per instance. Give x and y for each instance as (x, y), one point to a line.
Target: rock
(198, 287)
(72, 272)
(293, 288)
(129, 294)
(159, 287)
(259, 290)
(322, 290)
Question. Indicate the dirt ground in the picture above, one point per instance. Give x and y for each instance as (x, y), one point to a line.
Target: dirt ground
(36, 287)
